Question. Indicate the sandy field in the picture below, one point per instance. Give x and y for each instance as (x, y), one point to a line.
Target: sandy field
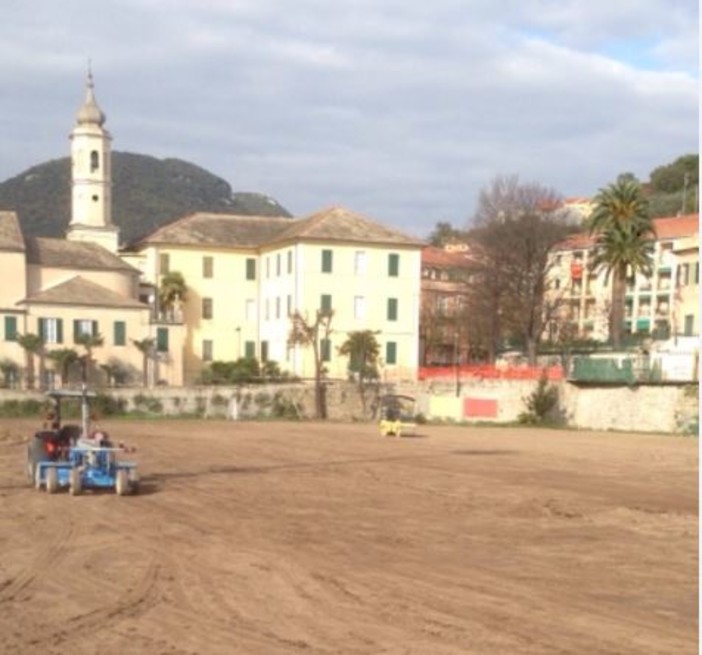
(328, 538)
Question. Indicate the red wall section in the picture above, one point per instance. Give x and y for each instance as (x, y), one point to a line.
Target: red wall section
(479, 407)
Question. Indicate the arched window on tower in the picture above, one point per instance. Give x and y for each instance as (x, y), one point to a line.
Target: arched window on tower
(94, 161)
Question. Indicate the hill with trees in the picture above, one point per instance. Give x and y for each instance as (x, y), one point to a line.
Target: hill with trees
(147, 192)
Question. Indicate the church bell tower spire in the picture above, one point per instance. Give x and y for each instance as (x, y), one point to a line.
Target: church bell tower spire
(91, 175)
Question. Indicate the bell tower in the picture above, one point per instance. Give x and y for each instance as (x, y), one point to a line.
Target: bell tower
(91, 176)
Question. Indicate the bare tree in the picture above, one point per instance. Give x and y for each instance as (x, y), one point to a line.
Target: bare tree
(309, 334)
(516, 227)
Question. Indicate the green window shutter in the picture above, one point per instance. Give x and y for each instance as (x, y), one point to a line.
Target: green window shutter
(325, 350)
(326, 302)
(76, 330)
(264, 351)
(10, 328)
(392, 309)
(393, 264)
(391, 352)
(327, 261)
(94, 328)
(250, 350)
(120, 333)
(162, 340)
(250, 269)
(42, 328)
(289, 261)
(59, 330)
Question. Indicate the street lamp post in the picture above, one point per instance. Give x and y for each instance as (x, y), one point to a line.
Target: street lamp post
(456, 363)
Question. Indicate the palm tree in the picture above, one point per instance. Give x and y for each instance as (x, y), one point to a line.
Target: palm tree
(32, 344)
(63, 358)
(146, 348)
(9, 370)
(171, 291)
(624, 237)
(88, 341)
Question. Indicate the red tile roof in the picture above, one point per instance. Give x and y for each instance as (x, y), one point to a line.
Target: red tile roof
(432, 256)
(676, 227)
(672, 227)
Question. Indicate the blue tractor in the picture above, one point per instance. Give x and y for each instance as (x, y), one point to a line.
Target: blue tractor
(77, 457)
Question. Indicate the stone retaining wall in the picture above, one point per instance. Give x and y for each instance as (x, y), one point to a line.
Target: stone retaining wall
(646, 408)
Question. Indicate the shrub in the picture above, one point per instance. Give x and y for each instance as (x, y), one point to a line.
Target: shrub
(540, 403)
(106, 405)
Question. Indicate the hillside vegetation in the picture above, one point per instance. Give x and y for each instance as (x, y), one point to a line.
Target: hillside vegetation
(146, 193)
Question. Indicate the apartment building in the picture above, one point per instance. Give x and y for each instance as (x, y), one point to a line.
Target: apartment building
(246, 276)
(665, 303)
(447, 276)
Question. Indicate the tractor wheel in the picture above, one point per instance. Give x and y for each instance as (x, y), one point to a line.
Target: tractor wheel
(75, 483)
(122, 482)
(36, 452)
(51, 480)
(134, 481)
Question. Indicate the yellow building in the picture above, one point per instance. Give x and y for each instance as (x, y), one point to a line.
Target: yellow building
(60, 289)
(246, 275)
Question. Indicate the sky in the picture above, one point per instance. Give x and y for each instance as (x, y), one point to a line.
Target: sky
(401, 110)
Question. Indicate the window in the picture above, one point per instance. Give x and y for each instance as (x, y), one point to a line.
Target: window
(359, 307)
(360, 262)
(207, 310)
(267, 313)
(289, 261)
(697, 272)
(327, 261)
(325, 350)
(289, 305)
(207, 350)
(689, 325)
(83, 327)
(392, 309)
(277, 264)
(325, 302)
(120, 333)
(683, 275)
(391, 352)
(268, 266)
(162, 340)
(94, 161)
(207, 267)
(277, 307)
(264, 351)
(250, 349)
(51, 330)
(250, 310)
(164, 263)
(250, 269)
(393, 264)
(10, 328)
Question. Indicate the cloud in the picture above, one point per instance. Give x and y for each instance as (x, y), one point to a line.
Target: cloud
(400, 110)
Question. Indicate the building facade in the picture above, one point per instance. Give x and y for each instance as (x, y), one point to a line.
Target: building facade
(663, 304)
(64, 290)
(247, 275)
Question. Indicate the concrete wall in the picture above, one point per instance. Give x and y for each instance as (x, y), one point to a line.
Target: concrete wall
(670, 409)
